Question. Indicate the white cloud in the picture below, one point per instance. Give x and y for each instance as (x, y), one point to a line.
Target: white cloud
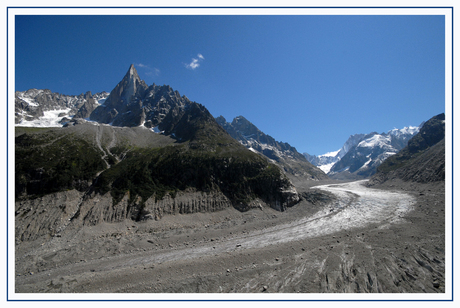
(195, 62)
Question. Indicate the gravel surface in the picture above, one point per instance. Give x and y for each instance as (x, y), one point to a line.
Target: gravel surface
(388, 239)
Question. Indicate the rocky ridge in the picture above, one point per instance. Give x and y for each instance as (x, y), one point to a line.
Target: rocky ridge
(280, 153)
(32, 104)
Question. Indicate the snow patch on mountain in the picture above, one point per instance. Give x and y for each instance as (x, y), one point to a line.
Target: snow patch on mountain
(376, 141)
(51, 118)
(43, 108)
(409, 130)
(28, 100)
(330, 154)
(327, 167)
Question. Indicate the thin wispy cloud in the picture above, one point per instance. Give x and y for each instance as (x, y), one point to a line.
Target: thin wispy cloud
(149, 71)
(195, 63)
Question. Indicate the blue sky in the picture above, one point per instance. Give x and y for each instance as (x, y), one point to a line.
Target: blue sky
(311, 81)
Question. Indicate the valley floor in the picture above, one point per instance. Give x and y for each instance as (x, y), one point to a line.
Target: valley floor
(389, 239)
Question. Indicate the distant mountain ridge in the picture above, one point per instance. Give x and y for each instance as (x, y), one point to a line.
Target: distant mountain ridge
(362, 154)
(280, 153)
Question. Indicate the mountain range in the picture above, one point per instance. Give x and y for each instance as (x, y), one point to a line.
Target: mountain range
(141, 153)
(132, 103)
(361, 154)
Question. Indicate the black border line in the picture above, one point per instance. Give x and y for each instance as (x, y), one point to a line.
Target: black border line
(230, 300)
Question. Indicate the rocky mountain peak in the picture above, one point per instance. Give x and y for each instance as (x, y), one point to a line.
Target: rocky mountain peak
(246, 128)
(130, 87)
(123, 101)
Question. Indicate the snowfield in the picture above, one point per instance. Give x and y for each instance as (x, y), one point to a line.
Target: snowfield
(376, 141)
(327, 167)
(51, 118)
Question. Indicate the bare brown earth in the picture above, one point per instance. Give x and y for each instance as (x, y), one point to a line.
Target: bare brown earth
(261, 250)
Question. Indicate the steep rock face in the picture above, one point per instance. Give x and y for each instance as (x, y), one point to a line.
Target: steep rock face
(122, 107)
(49, 215)
(422, 160)
(89, 105)
(99, 208)
(45, 216)
(281, 153)
(351, 142)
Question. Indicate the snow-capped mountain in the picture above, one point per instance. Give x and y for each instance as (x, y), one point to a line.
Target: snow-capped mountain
(422, 160)
(362, 160)
(326, 161)
(362, 154)
(281, 153)
(130, 103)
(44, 108)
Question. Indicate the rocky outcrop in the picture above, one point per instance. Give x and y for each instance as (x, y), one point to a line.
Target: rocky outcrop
(122, 107)
(87, 108)
(49, 215)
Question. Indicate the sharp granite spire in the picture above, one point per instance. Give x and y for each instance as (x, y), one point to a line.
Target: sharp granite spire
(127, 93)
(130, 87)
